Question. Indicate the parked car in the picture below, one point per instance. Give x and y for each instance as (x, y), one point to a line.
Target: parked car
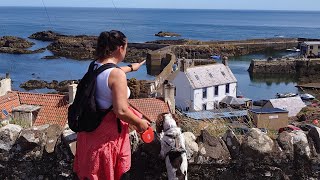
(288, 128)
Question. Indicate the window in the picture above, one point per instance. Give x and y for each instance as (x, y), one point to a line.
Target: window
(197, 77)
(227, 88)
(204, 93)
(216, 90)
(311, 47)
(204, 106)
(210, 75)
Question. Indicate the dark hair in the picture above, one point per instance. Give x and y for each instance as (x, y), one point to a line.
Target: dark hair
(109, 41)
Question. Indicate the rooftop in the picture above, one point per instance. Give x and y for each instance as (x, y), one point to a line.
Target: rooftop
(268, 110)
(200, 115)
(209, 75)
(312, 42)
(53, 107)
(151, 108)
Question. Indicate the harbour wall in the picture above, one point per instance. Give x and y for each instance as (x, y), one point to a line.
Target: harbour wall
(285, 66)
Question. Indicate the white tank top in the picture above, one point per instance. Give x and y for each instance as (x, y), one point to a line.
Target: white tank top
(103, 92)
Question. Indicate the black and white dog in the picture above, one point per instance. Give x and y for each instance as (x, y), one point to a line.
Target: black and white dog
(173, 149)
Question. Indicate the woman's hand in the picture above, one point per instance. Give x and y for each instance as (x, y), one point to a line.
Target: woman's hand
(136, 66)
(142, 126)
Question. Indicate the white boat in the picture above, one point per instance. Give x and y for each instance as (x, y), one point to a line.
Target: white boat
(294, 49)
(307, 96)
(285, 95)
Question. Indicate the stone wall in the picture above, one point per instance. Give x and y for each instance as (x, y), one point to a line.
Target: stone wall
(41, 153)
(285, 66)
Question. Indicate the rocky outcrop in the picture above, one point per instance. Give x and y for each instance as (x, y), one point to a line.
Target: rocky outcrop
(167, 34)
(40, 84)
(46, 36)
(83, 48)
(14, 42)
(16, 45)
(138, 88)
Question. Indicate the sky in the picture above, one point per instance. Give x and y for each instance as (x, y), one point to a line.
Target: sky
(304, 5)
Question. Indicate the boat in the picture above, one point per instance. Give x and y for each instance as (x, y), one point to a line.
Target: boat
(216, 57)
(285, 95)
(306, 96)
(294, 49)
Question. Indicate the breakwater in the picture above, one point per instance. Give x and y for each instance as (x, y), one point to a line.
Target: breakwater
(285, 66)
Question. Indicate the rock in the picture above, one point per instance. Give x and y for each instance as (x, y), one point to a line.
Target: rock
(256, 144)
(53, 134)
(167, 34)
(300, 143)
(8, 136)
(16, 45)
(40, 84)
(14, 42)
(33, 84)
(191, 145)
(70, 140)
(233, 143)
(212, 150)
(46, 36)
(314, 134)
(50, 57)
(31, 143)
(74, 47)
(285, 140)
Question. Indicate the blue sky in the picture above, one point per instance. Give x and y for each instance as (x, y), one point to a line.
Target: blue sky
(177, 4)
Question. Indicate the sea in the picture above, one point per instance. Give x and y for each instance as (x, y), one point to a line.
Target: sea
(140, 25)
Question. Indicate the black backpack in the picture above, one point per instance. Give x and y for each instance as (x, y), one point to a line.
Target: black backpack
(83, 113)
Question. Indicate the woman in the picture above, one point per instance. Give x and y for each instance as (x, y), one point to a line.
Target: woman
(105, 153)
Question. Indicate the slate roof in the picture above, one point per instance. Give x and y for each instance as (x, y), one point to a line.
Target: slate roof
(209, 75)
(234, 100)
(151, 108)
(291, 104)
(268, 110)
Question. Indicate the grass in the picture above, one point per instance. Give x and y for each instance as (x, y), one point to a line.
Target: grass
(22, 123)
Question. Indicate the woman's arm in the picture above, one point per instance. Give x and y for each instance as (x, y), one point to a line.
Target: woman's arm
(118, 85)
(135, 67)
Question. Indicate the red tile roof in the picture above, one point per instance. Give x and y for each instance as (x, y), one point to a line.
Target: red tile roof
(151, 108)
(54, 107)
(7, 102)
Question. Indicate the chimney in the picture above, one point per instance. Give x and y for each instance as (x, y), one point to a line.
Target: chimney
(183, 64)
(225, 60)
(72, 92)
(5, 85)
(168, 95)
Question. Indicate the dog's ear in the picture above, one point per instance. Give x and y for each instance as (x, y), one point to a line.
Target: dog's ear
(159, 122)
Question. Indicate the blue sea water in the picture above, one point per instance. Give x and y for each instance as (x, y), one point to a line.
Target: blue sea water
(140, 25)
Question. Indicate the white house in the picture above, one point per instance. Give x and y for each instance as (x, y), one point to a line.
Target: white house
(203, 87)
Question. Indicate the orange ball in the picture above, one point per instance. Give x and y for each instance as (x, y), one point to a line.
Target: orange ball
(315, 121)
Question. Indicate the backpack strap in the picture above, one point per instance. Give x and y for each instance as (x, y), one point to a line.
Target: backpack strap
(97, 72)
(104, 67)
